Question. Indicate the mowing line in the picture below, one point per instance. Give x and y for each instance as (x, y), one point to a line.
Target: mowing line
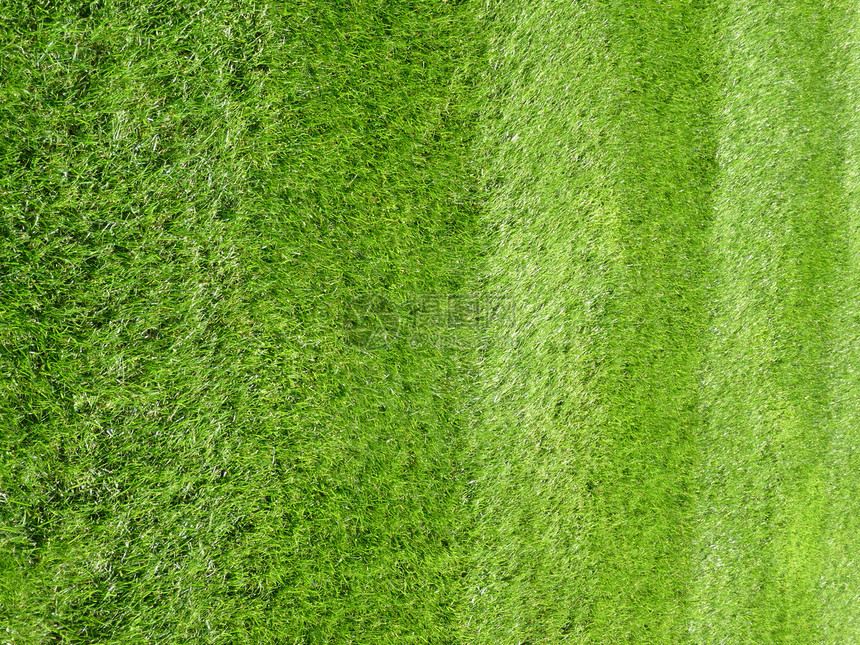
(664, 174)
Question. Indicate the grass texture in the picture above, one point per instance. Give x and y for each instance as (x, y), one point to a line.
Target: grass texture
(665, 435)
(250, 391)
(601, 197)
(776, 417)
(194, 198)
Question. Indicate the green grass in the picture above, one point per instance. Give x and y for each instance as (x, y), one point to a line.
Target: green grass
(664, 434)
(246, 399)
(603, 160)
(782, 261)
(194, 197)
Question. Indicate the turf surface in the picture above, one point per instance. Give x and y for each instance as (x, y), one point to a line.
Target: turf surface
(198, 445)
(429, 322)
(780, 245)
(604, 161)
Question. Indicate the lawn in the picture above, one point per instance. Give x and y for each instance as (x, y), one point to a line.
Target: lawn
(666, 432)
(430, 322)
(198, 203)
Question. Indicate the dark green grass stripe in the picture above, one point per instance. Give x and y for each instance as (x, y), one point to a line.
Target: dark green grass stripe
(778, 246)
(192, 195)
(652, 345)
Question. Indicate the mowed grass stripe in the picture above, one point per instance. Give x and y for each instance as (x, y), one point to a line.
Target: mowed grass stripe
(662, 176)
(599, 171)
(839, 593)
(778, 247)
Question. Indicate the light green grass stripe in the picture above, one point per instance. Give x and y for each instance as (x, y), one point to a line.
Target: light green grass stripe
(778, 245)
(598, 166)
(553, 224)
(839, 594)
